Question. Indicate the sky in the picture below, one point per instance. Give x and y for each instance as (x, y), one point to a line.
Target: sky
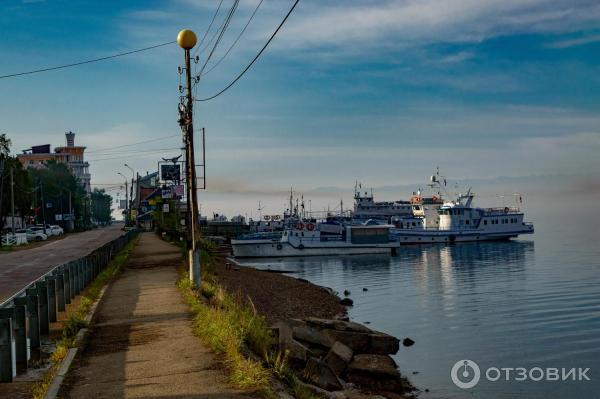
(376, 91)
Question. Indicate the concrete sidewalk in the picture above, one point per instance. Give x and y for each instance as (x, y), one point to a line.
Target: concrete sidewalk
(142, 344)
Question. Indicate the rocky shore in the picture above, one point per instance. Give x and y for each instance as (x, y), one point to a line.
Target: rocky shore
(336, 358)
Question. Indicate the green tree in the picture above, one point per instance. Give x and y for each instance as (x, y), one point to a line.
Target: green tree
(101, 204)
(59, 192)
(23, 190)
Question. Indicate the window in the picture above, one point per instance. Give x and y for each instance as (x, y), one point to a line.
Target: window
(467, 221)
(485, 222)
(413, 223)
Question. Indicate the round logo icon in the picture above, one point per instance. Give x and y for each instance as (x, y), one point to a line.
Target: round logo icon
(465, 374)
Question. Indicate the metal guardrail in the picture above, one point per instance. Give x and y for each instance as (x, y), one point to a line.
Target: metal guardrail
(26, 316)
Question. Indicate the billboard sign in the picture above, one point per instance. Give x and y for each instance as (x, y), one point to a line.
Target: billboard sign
(170, 172)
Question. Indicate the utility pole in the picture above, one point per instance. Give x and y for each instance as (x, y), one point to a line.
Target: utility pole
(12, 197)
(126, 199)
(187, 40)
(43, 206)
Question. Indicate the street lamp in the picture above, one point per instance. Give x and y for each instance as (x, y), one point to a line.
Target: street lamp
(126, 199)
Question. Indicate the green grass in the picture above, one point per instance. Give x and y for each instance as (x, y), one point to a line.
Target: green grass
(229, 324)
(76, 321)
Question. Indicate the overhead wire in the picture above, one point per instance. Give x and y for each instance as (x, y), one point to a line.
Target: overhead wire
(236, 39)
(132, 144)
(12, 75)
(199, 49)
(255, 58)
(221, 33)
(211, 23)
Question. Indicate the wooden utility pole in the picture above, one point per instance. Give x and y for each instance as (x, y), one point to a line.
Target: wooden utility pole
(187, 40)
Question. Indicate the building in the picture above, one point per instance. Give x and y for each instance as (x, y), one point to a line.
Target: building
(72, 155)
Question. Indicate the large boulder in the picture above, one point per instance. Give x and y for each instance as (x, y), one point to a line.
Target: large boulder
(312, 336)
(339, 325)
(296, 352)
(374, 342)
(377, 372)
(320, 374)
(338, 357)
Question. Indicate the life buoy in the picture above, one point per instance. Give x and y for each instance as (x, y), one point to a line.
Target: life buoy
(506, 210)
(310, 227)
(301, 246)
(434, 198)
(267, 217)
(279, 246)
(300, 226)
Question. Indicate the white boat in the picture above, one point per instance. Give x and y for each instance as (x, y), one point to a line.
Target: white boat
(437, 221)
(365, 207)
(312, 239)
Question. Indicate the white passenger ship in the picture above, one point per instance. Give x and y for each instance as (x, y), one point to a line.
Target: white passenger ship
(311, 239)
(435, 221)
(365, 207)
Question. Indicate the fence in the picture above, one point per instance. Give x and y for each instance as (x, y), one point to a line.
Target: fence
(25, 318)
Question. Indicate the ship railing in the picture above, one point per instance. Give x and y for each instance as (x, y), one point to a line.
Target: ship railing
(502, 210)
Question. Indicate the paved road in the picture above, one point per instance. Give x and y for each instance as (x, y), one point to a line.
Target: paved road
(142, 344)
(19, 268)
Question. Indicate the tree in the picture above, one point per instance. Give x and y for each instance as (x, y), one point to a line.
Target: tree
(56, 189)
(5, 144)
(101, 204)
(23, 190)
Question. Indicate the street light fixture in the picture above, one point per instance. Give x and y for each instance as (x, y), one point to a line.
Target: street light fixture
(126, 198)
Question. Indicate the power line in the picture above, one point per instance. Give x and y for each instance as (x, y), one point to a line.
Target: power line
(132, 144)
(12, 75)
(211, 23)
(147, 153)
(221, 33)
(255, 58)
(207, 45)
(236, 40)
(132, 151)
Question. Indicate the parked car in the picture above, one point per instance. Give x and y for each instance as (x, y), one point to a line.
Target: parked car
(48, 231)
(56, 230)
(33, 234)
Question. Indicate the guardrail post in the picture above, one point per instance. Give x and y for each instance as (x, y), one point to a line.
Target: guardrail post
(67, 280)
(78, 269)
(60, 290)
(51, 280)
(7, 369)
(42, 289)
(73, 278)
(34, 317)
(20, 330)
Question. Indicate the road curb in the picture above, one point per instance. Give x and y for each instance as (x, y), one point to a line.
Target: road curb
(65, 364)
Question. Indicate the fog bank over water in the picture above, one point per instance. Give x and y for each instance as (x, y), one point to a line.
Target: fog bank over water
(535, 191)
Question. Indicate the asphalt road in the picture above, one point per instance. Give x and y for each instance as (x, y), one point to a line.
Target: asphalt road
(19, 268)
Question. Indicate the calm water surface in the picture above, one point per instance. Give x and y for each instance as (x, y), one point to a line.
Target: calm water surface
(532, 302)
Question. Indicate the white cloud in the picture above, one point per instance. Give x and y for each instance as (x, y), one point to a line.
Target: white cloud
(426, 21)
(574, 42)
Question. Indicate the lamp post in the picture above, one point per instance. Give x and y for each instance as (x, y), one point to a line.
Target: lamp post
(187, 40)
(126, 199)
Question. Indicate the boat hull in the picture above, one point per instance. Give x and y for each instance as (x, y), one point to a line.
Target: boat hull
(409, 237)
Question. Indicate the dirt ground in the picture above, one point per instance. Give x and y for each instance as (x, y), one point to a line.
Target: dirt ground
(142, 345)
(277, 296)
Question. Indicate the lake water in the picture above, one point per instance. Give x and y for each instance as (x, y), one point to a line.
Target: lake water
(532, 302)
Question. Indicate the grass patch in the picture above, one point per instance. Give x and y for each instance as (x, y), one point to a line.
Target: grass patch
(227, 325)
(76, 321)
(230, 325)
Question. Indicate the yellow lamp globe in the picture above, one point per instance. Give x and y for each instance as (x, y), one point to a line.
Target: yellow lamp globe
(186, 39)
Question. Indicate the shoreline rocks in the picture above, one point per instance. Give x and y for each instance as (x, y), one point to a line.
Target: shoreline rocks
(337, 355)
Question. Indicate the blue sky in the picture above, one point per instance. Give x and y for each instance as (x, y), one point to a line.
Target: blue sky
(380, 91)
